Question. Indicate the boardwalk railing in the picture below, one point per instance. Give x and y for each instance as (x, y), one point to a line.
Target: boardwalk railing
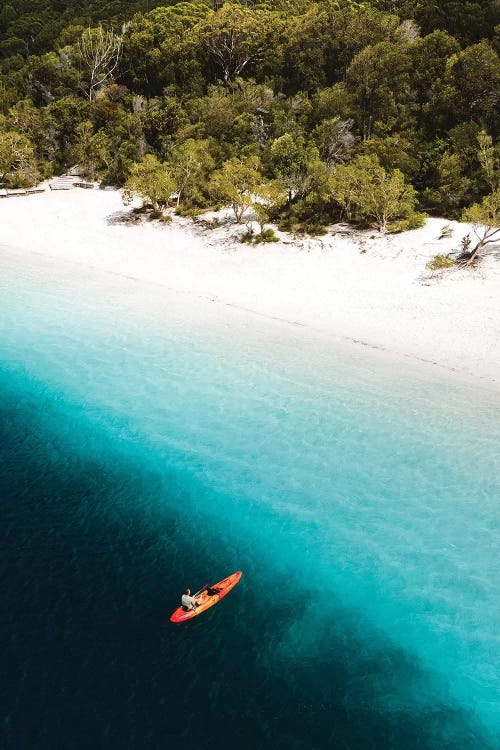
(15, 193)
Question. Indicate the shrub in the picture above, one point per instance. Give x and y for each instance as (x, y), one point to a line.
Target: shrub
(465, 244)
(267, 235)
(211, 223)
(316, 229)
(248, 236)
(189, 212)
(47, 169)
(289, 223)
(440, 263)
(414, 221)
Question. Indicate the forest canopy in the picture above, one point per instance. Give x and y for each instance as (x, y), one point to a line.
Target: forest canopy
(325, 101)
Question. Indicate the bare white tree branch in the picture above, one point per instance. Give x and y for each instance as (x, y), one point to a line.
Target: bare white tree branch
(100, 51)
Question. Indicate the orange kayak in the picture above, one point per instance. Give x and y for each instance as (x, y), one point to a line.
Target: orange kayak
(207, 599)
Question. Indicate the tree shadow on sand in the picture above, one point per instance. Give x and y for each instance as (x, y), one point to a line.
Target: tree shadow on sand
(125, 218)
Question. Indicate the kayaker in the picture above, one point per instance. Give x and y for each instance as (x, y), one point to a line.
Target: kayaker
(188, 602)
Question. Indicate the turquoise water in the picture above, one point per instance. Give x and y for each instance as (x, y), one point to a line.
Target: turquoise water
(149, 443)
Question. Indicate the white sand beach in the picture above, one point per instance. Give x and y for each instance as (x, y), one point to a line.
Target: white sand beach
(360, 287)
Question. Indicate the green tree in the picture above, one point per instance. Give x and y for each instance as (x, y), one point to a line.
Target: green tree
(489, 158)
(474, 75)
(334, 139)
(485, 220)
(323, 39)
(93, 150)
(267, 198)
(467, 20)
(398, 151)
(234, 184)
(289, 160)
(450, 191)
(160, 48)
(379, 79)
(51, 76)
(367, 192)
(190, 164)
(429, 56)
(464, 140)
(304, 51)
(151, 181)
(124, 154)
(331, 103)
(38, 127)
(62, 117)
(429, 79)
(485, 216)
(17, 160)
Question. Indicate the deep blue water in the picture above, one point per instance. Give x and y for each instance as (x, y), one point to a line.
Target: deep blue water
(147, 446)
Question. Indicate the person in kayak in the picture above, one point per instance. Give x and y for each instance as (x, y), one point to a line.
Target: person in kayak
(188, 602)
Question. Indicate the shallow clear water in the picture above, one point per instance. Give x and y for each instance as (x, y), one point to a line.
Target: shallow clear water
(148, 443)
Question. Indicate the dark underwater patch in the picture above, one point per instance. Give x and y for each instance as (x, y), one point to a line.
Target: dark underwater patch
(95, 546)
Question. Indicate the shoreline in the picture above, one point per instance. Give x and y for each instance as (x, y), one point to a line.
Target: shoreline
(357, 288)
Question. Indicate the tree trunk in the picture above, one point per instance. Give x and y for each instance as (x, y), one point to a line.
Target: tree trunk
(488, 238)
(382, 224)
(475, 252)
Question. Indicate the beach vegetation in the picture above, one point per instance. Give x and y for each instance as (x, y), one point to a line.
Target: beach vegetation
(315, 229)
(266, 235)
(190, 164)
(334, 140)
(17, 162)
(367, 192)
(188, 212)
(290, 222)
(449, 192)
(234, 184)
(485, 220)
(291, 160)
(248, 235)
(267, 200)
(151, 181)
(484, 216)
(465, 243)
(440, 262)
(93, 150)
(210, 224)
(414, 220)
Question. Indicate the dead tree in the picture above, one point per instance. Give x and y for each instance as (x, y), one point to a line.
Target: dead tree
(100, 51)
